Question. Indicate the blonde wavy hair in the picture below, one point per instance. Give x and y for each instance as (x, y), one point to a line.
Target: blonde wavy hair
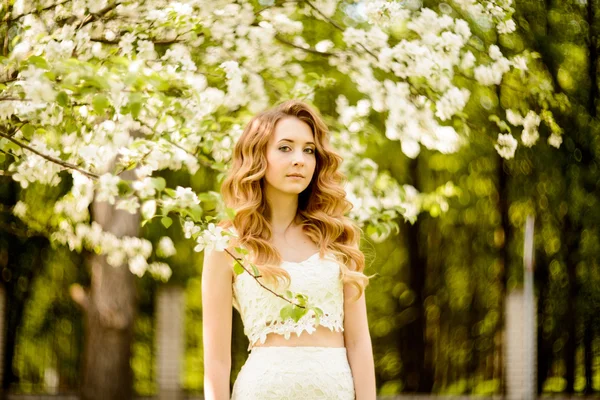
(322, 206)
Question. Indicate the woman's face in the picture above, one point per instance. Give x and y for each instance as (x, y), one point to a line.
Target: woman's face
(291, 156)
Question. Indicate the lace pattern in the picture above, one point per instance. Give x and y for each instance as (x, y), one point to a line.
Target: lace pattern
(318, 278)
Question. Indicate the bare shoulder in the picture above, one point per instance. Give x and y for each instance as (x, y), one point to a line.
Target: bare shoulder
(217, 264)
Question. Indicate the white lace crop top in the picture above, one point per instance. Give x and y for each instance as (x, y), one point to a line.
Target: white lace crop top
(318, 278)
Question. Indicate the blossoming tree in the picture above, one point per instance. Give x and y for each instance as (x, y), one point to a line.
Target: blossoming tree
(110, 92)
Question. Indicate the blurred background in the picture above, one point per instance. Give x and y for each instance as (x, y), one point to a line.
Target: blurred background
(447, 287)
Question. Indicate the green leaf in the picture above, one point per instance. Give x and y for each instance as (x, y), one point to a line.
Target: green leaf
(166, 221)
(135, 104)
(70, 126)
(196, 212)
(237, 268)
(206, 197)
(240, 250)
(100, 103)
(63, 99)
(301, 299)
(39, 62)
(318, 311)
(286, 312)
(159, 183)
(298, 313)
(170, 192)
(288, 294)
(230, 212)
(255, 270)
(27, 130)
(119, 60)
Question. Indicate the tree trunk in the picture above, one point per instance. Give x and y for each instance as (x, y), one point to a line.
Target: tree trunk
(588, 337)
(544, 344)
(419, 372)
(571, 235)
(24, 261)
(110, 310)
(504, 254)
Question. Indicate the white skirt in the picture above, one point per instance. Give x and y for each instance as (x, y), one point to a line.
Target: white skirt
(290, 373)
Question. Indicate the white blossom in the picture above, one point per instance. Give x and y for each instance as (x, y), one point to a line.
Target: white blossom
(130, 204)
(453, 101)
(506, 145)
(190, 229)
(138, 265)
(324, 46)
(20, 209)
(555, 140)
(212, 238)
(148, 209)
(160, 270)
(186, 197)
(108, 188)
(144, 187)
(165, 247)
(514, 117)
(505, 27)
(530, 133)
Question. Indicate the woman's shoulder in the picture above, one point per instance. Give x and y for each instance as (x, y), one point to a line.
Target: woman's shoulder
(221, 261)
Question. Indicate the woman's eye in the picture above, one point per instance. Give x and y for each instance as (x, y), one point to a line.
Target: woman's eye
(284, 148)
(310, 151)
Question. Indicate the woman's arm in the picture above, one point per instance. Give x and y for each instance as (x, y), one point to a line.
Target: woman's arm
(216, 324)
(358, 344)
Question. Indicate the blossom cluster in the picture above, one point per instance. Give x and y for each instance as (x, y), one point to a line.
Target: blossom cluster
(154, 85)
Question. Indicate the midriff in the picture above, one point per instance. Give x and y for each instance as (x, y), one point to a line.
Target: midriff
(322, 337)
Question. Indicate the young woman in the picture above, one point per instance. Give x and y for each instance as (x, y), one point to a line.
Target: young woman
(290, 215)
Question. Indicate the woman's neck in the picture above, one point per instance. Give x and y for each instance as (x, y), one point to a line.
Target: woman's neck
(284, 209)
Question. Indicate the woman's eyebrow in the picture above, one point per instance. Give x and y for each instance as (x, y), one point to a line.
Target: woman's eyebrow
(290, 140)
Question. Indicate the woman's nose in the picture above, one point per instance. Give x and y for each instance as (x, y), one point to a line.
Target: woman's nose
(298, 158)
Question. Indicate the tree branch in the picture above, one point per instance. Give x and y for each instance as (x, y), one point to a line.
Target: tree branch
(338, 27)
(309, 50)
(48, 158)
(326, 18)
(238, 261)
(38, 11)
(93, 17)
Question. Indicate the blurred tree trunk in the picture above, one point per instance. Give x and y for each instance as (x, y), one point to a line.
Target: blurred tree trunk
(570, 321)
(593, 20)
(418, 370)
(475, 315)
(588, 337)
(544, 343)
(503, 186)
(110, 308)
(21, 260)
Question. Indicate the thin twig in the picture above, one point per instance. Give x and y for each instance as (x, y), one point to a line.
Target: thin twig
(338, 27)
(332, 22)
(49, 158)
(99, 14)
(309, 50)
(238, 261)
(38, 11)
